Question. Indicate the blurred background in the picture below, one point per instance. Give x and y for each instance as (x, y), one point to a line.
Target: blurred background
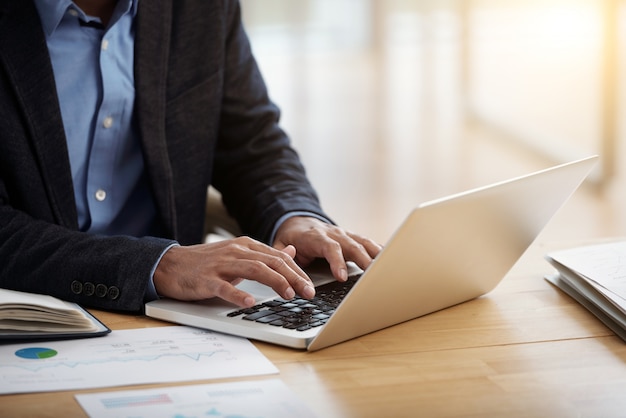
(395, 102)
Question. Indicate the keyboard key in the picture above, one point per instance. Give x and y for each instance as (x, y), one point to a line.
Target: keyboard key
(300, 314)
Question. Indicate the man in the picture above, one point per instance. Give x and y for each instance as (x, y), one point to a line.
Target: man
(115, 117)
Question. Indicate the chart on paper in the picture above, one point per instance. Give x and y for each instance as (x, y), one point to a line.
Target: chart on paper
(247, 399)
(149, 355)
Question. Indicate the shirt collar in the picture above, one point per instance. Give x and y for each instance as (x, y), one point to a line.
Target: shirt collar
(52, 11)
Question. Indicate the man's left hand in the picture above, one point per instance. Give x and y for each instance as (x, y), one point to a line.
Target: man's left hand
(314, 238)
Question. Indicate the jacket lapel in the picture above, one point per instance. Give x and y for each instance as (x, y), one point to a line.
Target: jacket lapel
(28, 67)
(151, 59)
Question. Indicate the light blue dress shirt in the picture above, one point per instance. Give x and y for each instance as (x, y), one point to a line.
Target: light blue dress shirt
(93, 69)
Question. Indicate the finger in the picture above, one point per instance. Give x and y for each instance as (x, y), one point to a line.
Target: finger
(334, 255)
(297, 281)
(273, 268)
(280, 259)
(366, 249)
(353, 248)
(226, 291)
(372, 247)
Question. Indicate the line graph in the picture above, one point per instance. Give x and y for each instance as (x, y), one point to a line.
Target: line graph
(165, 354)
(88, 362)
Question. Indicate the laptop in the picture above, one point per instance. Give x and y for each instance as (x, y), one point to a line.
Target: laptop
(446, 252)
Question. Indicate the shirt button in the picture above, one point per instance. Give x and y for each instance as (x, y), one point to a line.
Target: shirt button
(101, 195)
(105, 44)
(73, 12)
(107, 122)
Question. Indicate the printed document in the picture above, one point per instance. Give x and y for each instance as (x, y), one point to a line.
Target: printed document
(258, 399)
(128, 357)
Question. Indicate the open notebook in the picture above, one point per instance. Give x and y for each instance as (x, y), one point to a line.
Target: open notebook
(446, 252)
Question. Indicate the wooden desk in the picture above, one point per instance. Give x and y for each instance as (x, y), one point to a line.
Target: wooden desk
(525, 349)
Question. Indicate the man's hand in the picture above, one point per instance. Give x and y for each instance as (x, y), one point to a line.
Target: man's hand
(313, 238)
(213, 270)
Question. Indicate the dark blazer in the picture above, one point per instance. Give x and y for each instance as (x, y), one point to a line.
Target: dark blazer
(204, 118)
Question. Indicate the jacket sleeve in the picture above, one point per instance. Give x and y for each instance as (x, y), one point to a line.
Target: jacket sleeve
(258, 172)
(95, 271)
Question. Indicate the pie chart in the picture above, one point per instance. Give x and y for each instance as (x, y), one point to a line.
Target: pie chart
(36, 353)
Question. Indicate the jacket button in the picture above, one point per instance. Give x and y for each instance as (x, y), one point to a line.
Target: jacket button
(77, 287)
(89, 288)
(114, 292)
(101, 290)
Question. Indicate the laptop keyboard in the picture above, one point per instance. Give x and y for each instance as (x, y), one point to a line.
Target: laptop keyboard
(299, 314)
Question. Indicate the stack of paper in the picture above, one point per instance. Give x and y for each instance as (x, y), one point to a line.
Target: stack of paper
(595, 276)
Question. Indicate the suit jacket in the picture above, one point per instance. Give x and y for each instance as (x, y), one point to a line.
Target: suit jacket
(204, 118)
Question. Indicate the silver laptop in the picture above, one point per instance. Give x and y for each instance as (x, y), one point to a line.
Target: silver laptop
(446, 252)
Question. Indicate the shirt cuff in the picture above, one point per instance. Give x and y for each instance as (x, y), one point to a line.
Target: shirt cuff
(151, 293)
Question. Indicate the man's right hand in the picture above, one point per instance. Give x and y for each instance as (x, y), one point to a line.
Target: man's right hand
(213, 270)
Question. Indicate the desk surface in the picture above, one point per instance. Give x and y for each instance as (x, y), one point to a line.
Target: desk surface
(525, 349)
